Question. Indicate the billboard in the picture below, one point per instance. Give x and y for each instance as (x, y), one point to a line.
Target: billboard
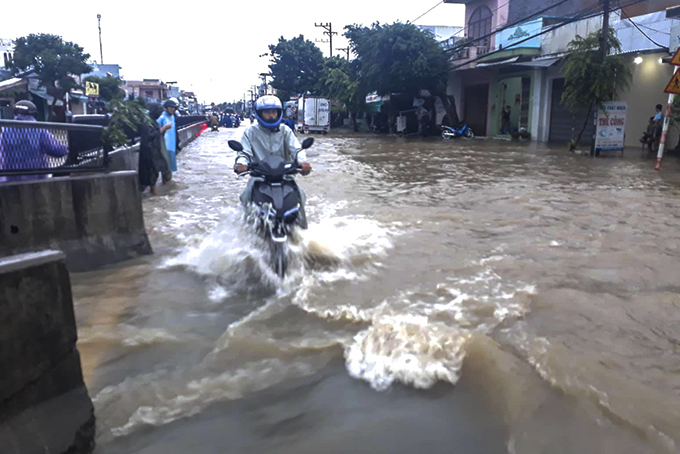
(611, 126)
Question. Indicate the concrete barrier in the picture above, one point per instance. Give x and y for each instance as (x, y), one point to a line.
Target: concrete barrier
(95, 219)
(44, 405)
(128, 158)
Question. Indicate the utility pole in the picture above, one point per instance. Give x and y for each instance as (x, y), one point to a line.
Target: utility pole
(329, 31)
(604, 47)
(264, 78)
(604, 43)
(345, 49)
(101, 52)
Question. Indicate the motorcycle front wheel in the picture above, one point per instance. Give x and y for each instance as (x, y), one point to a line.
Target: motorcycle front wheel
(280, 259)
(469, 134)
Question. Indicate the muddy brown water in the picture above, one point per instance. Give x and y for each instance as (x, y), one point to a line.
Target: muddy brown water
(449, 296)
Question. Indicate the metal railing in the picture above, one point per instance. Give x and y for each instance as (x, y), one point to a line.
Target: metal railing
(40, 148)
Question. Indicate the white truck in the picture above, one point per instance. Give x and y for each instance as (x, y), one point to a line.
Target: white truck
(314, 115)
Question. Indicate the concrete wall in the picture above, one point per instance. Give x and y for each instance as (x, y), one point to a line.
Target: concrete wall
(521, 9)
(44, 405)
(96, 219)
(128, 158)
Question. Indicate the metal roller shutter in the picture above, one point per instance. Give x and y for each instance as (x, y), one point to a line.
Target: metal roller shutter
(563, 124)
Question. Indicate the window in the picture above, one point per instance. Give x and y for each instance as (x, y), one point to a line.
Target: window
(480, 25)
(149, 93)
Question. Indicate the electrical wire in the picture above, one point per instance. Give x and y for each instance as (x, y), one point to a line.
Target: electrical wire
(440, 3)
(492, 12)
(505, 27)
(585, 15)
(640, 30)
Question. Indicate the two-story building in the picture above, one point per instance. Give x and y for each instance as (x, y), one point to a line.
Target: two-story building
(520, 66)
(153, 90)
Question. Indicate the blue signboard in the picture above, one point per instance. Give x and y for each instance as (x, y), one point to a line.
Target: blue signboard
(521, 32)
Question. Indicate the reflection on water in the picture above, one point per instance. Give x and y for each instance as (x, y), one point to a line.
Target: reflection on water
(524, 297)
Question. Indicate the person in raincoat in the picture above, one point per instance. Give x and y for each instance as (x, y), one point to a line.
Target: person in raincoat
(152, 154)
(168, 126)
(267, 137)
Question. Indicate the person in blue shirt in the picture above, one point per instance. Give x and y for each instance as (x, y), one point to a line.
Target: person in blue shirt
(169, 130)
(290, 123)
(27, 149)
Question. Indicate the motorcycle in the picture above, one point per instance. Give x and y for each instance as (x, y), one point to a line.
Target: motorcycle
(277, 201)
(462, 130)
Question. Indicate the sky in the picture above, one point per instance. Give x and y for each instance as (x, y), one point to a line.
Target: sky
(210, 48)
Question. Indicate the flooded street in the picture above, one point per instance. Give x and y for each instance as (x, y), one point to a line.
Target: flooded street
(449, 296)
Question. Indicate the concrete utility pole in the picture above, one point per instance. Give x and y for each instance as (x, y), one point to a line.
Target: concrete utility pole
(264, 79)
(101, 52)
(604, 47)
(329, 31)
(345, 49)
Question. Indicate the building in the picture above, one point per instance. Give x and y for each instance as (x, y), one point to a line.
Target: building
(442, 33)
(152, 90)
(104, 70)
(516, 68)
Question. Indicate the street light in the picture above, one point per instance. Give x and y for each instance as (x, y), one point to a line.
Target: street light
(637, 60)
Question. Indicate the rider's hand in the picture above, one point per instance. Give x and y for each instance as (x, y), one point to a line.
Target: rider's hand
(241, 168)
(305, 168)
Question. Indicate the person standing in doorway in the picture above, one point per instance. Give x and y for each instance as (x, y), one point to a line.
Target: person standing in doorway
(169, 130)
(505, 120)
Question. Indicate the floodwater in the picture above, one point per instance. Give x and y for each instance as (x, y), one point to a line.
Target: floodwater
(449, 296)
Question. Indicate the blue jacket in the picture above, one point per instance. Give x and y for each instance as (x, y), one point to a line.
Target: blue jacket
(28, 148)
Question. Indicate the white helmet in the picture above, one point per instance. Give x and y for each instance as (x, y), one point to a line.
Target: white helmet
(269, 102)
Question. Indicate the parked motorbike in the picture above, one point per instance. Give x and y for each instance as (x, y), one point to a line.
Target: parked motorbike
(462, 130)
(277, 200)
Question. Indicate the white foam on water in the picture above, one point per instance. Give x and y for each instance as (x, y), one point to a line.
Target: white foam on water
(126, 335)
(417, 342)
(159, 401)
(408, 349)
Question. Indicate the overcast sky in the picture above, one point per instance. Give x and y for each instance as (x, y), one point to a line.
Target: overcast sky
(211, 48)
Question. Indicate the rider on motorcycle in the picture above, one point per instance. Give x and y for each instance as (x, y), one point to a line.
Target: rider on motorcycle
(266, 138)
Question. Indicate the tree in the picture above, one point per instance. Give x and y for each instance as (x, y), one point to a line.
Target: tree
(296, 67)
(109, 87)
(589, 81)
(400, 58)
(339, 81)
(123, 125)
(53, 60)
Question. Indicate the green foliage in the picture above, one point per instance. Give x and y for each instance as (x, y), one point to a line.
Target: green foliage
(125, 116)
(588, 80)
(52, 59)
(296, 67)
(339, 81)
(398, 58)
(109, 87)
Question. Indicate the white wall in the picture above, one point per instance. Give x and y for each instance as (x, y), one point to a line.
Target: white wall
(649, 80)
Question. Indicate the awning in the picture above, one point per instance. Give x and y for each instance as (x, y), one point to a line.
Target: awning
(374, 107)
(9, 84)
(541, 63)
(41, 92)
(501, 62)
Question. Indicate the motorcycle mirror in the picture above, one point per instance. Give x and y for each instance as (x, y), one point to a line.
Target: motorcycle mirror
(235, 145)
(308, 142)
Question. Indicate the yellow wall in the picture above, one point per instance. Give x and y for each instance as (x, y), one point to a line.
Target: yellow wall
(649, 80)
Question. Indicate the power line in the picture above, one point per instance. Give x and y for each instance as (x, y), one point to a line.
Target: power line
(439, 3)
(640, 30)
(492, 12)
(505, 27)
